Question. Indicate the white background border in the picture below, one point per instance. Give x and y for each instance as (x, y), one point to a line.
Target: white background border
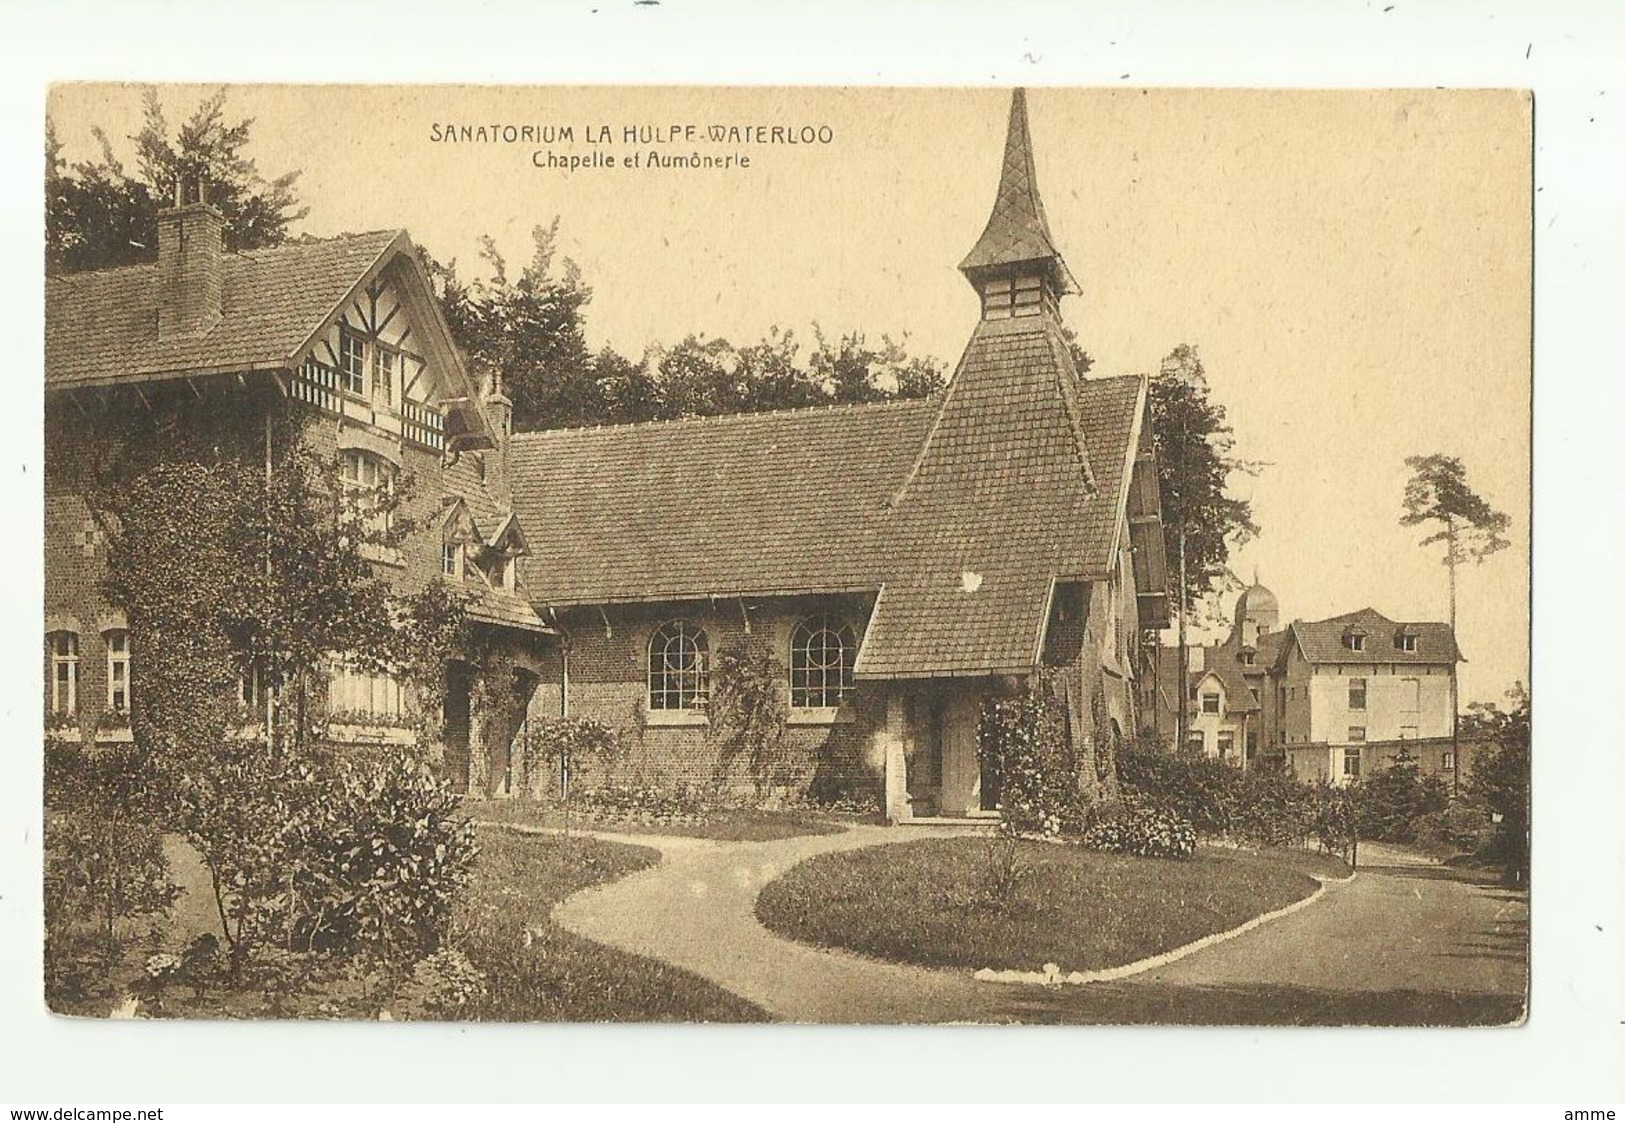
(1570, 1049)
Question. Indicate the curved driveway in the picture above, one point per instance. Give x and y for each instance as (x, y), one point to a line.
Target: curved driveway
(1407, 942)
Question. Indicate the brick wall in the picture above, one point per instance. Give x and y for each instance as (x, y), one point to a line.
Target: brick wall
(609, 682)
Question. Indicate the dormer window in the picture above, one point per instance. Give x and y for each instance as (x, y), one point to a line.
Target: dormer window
(451, 560)
(1405, 640)
(1354, 639)
(1248, 657)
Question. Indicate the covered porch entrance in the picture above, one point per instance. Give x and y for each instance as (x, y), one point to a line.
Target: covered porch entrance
(932, 770)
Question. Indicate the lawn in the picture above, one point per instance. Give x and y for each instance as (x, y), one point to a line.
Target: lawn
(926, 903)
(736, 824)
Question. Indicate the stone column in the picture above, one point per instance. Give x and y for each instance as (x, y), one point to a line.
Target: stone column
(894, 743)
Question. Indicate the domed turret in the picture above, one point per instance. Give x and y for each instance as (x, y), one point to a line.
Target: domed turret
(1257, 613)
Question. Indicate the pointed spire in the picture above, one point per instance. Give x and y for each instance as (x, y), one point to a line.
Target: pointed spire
(1017, 232)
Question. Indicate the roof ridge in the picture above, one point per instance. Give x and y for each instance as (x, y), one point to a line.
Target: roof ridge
(254, 254)
(829, 407)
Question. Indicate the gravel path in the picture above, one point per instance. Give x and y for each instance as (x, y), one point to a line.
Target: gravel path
(1407, 941)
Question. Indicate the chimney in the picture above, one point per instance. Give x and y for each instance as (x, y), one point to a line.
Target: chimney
(191, 240)
(499, 409)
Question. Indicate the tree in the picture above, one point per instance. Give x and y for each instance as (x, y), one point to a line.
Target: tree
(531, 330)
(98, 215)
(1472, 530)
(1500, 775)
(1201, 521)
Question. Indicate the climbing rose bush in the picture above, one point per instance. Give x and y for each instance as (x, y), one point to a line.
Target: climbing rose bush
(1023, 741)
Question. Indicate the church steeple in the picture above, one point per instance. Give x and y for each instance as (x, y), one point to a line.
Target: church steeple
(1014, 266)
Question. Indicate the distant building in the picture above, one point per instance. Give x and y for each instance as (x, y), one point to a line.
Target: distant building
(1349, 688)
(1329, 699)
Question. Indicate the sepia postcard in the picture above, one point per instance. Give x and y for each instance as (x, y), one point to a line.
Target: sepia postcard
(815, 555)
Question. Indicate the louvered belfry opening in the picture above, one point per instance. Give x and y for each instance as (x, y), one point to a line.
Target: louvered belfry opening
(1014, 266)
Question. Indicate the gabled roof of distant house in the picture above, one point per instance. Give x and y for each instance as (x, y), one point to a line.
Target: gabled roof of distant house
(1321, 641)
(101, 327)
(1218, 660)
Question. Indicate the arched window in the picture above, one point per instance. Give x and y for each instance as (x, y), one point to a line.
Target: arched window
(822, 651)
(63, 648)
(679, 667)
(118, 670)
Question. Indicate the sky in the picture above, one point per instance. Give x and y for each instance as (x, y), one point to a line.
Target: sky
(1353, 267)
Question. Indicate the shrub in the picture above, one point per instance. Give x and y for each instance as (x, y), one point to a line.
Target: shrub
(104, 863)
(1143, 831)
(1024, 741)
(348, 857)
(1261, 805)
(1003, 871)
(383, 879)
(645, 800)
(101, 871)
(1394, 799)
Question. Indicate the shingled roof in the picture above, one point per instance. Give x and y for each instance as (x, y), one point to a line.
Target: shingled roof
(101, 327)
(1321, 641)
(1017, 231)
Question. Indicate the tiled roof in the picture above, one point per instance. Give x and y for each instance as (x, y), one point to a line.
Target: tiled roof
(102, 327)
(759, 503)
(1270, 645)
(999, 506)
(1017, 230)
(463, 479)
(1321, 641)
(491, 605)
(983, 489)
(1217, 659)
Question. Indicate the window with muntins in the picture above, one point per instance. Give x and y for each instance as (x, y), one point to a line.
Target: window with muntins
(1210, 703)
(1351, 763)
(352, 361)
(386, 362)
(118, 671)
(451, 560)
(359, 694)
(822, 652)
(369, 483)
(64, 652)
(1227, 744)
(679, 667)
